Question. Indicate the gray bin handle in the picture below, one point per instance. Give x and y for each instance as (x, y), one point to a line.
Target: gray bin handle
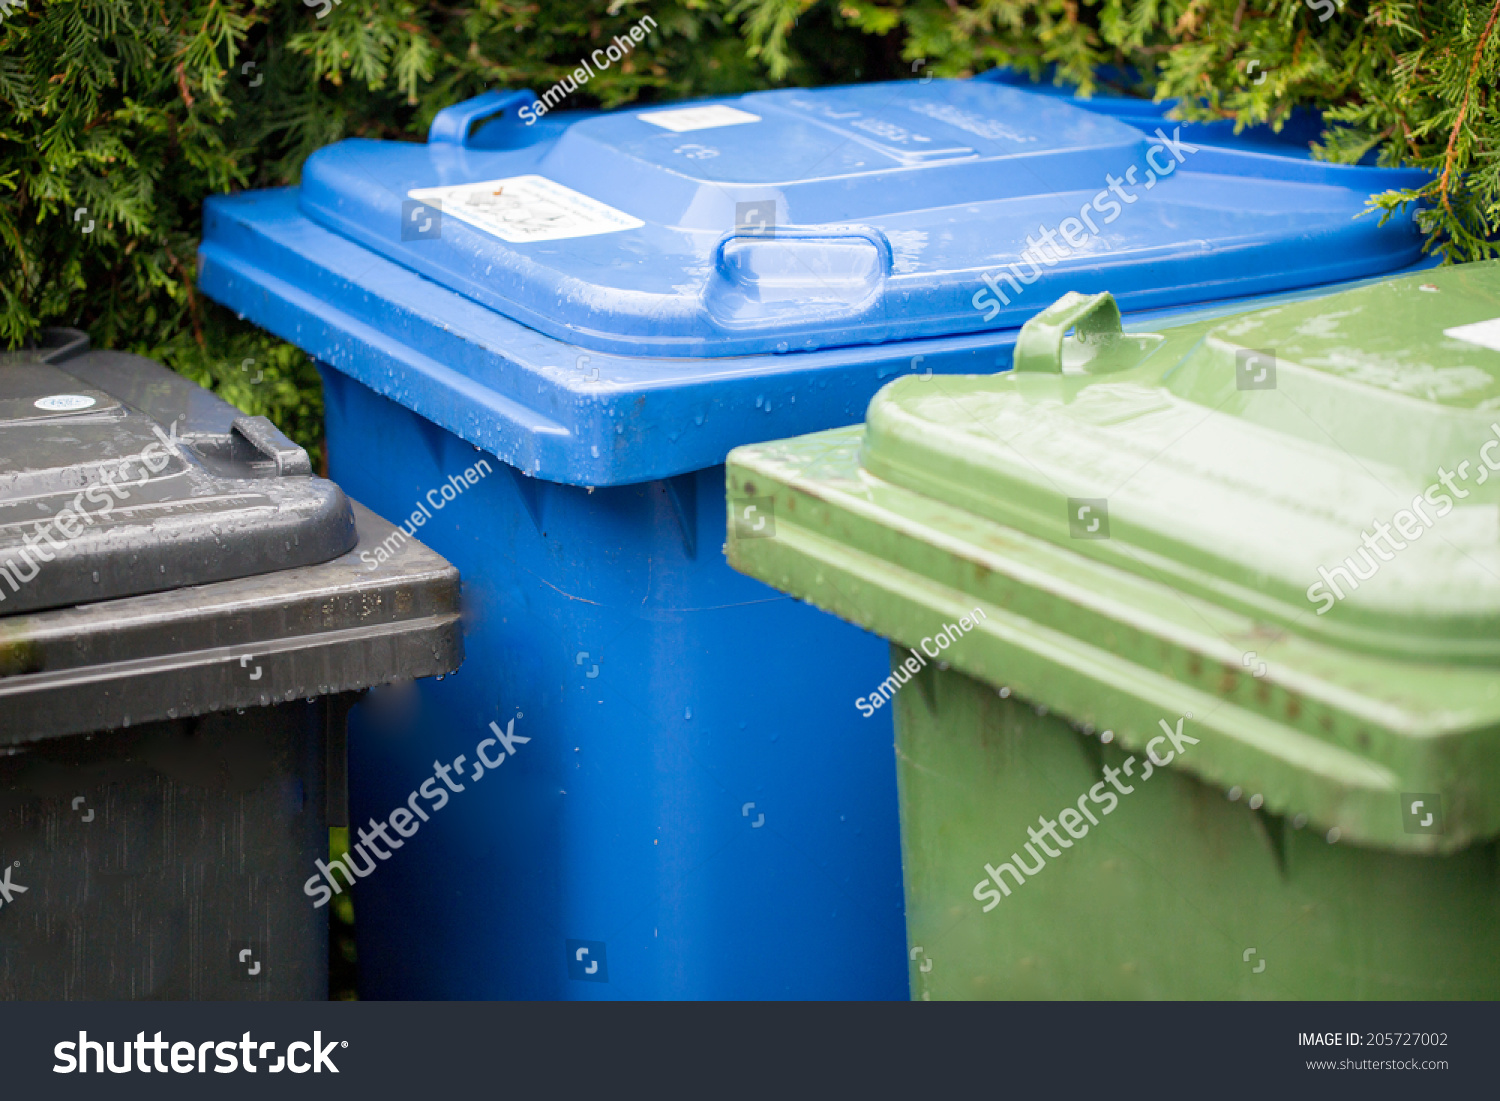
(291, 461)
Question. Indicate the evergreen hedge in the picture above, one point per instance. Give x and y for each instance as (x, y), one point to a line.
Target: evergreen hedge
(117, 117)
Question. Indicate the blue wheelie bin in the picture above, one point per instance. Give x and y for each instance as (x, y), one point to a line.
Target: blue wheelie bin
(540, 335)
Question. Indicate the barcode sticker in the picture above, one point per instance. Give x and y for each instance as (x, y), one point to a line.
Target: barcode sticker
(680, 120)
(524, 209)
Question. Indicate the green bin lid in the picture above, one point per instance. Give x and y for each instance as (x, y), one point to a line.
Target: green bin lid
(1286, 523)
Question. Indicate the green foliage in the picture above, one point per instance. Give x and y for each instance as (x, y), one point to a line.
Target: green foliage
(343, 955)
(117, 117)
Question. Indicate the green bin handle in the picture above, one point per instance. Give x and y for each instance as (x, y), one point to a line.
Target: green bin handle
(1039, 345)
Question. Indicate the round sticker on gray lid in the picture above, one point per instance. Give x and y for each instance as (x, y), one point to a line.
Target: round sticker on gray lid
(64, 403)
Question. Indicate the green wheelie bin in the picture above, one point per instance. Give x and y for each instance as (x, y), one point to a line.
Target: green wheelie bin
(1194, 641)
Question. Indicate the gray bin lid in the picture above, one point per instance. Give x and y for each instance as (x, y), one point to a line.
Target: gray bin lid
(119, 477)
(316, 630)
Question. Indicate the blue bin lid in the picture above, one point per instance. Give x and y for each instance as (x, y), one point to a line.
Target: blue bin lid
(520, 374)
(793, 220)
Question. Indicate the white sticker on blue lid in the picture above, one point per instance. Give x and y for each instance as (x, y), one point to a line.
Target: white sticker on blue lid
(523, 209)
(64, 403)
(680, 120)
(1484, 333)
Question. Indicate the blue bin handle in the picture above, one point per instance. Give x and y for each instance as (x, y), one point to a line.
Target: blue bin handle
(457, 124)
(870, 235)
(733, 294)
(1039, 345)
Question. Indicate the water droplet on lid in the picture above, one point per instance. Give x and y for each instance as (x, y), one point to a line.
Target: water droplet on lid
(1299, 821)
(1107, 737)
(1235, 792)
(1004, 693)
(1334, 834)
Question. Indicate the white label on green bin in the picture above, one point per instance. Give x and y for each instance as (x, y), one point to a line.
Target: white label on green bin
(1484, 333)
(523, 209)
(680, 120)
